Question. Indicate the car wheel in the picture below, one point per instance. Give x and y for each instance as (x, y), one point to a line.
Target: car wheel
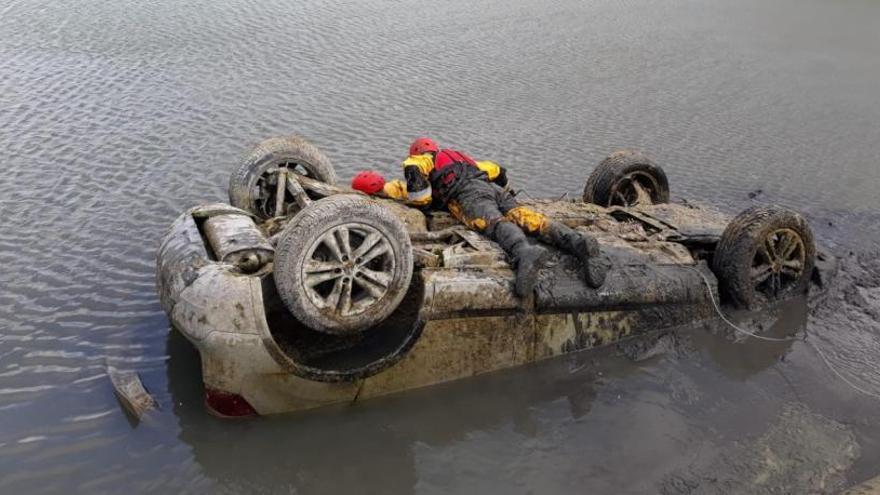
(766, 254)
(627, 178)
(343, 264)
(254, 186)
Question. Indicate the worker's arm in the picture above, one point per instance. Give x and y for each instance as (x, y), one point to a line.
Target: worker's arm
(395, 189)
(418, 188)
(495, 172)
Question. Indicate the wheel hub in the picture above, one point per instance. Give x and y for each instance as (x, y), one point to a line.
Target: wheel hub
(779, 261)
(348, 269)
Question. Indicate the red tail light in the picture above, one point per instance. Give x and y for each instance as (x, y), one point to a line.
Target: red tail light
(227, 405)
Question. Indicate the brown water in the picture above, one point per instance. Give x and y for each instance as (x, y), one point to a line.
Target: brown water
(115, 116)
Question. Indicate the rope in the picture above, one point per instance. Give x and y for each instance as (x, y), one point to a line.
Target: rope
(843, 378)
(730, 323)
(772, 339)
(524, 193)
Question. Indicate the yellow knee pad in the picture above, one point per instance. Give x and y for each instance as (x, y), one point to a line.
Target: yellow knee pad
(527, 219)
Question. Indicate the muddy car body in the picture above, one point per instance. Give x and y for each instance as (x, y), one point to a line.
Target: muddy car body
(291, 307)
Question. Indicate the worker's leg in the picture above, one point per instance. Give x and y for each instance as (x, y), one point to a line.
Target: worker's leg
(582, 246)
(558, 234)
(531, 221)
(527, 258)
(475, 206)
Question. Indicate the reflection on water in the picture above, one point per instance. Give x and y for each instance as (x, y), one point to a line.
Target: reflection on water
(115, 116)
(754, 356)
(583, 422)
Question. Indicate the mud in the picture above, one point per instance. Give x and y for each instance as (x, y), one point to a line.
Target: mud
(857, 291)
(845, 325)
(331, 358)
(643, 349)
(870, 487)
(851, 309)
(801, 452)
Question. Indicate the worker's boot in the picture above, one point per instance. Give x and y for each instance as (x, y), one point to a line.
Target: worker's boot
(583, 247)
(528, 259)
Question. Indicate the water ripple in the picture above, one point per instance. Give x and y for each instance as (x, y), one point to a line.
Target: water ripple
(118, 115)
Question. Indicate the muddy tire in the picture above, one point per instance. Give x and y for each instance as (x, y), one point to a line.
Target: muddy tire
(343, 264)
(626, 178)
(252, 187)
(766, 254)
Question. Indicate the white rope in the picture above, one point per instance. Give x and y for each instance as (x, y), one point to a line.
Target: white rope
(525, 193)
(771, 339)
(839, 375)
(732, 325)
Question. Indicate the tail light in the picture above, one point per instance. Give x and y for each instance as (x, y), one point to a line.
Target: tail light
(227, 405)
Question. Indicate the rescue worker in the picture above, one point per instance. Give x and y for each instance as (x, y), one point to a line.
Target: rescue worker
(369, 182)
(416, 190)
(467, 189)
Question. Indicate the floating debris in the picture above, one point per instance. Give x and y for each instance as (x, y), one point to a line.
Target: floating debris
(131, 392)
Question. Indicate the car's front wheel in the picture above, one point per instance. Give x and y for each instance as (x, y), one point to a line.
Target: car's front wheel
(343, 264)
(765, 254)
(259, 185)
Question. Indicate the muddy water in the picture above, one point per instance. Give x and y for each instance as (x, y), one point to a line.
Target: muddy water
(114, 116)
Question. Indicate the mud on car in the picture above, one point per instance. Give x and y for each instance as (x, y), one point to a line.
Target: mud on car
(301, 292)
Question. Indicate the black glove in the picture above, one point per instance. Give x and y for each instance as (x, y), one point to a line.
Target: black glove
(501, 180)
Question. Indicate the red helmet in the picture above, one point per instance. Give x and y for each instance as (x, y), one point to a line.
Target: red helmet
(423, 145)
(368, 181)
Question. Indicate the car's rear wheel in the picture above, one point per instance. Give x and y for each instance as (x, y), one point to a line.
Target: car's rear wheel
(627, 178)
(343, 264)
(765, 254)
(254, 186)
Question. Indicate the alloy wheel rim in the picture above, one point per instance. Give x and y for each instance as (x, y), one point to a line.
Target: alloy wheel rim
(779, 262)
(348, 269)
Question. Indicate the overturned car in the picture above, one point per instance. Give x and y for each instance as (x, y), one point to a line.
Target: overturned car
(301, 293)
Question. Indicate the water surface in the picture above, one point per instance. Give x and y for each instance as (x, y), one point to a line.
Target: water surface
(115, 116)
